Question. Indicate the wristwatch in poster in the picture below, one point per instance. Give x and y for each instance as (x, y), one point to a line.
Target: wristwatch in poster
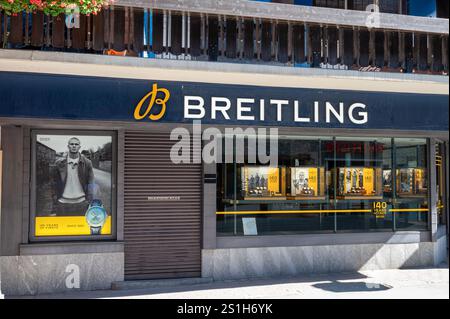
(96, 216)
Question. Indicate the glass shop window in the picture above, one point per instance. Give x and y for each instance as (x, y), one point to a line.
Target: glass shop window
(411, 183)
(359, 5)
(325, 184)
(337, 4)
(288, 198)
(389, 6)
(362, 180)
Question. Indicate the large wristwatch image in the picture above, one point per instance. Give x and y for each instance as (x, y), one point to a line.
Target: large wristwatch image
(96, 216)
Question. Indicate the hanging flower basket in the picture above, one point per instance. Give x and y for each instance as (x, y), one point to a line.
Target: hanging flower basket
(54, 7)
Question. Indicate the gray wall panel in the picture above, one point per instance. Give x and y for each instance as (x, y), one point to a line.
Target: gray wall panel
(12, 184)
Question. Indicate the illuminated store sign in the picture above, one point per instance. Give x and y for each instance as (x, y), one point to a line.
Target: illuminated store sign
(131, 100)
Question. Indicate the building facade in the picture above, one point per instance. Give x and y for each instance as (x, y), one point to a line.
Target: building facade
(198, 139)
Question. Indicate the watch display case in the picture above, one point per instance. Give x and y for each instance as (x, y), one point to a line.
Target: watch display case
(359, 182)
(387, 181)
(307, 182)
(411, 182)
(261, 182)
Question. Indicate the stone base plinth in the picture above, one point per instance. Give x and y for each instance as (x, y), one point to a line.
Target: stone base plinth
(242, 263)
(32, 275)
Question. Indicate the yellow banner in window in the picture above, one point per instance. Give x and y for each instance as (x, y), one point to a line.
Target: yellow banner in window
(273, 174)
(67, 226)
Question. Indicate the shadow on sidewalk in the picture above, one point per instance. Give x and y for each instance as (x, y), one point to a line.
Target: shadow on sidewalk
(318, 279)
(351, 287)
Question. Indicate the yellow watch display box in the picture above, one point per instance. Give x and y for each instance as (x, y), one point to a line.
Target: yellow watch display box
(411, 182)
(261, 182)
(307, 182)
(359, 182)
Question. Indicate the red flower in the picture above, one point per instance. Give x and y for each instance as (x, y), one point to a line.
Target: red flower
(36, 2)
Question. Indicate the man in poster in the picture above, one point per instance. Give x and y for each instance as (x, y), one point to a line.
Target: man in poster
(73, 182)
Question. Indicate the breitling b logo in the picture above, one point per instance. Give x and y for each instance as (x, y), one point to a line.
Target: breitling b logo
(153, 96)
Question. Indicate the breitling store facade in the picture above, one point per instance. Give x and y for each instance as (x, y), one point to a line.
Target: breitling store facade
(92, 195)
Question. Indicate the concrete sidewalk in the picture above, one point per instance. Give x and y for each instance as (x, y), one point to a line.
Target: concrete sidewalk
(381, 284)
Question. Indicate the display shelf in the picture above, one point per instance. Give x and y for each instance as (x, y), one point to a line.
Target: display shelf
(350, 197)
(315, 200)
(274, 198)
(303, 198)
(411, 195)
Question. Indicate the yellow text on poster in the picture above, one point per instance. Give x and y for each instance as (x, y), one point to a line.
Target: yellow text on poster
(274, 180)
(67, 226)
(312, 181)
(368, 180)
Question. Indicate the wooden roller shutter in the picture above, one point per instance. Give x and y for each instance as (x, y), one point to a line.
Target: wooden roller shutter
(16, 35)
(364, 39)
(423, 52)
(213, 38)
(162, 237)
(119, 29)
(409, 53)
(266, 41)
(2, 23)
(437, 53)
(283, 30)
(99, 22)
(79, 34)
(394, 61)
(444, 45)
(37, 29)
(332, 45)
(379, 49)
(158, 32)
(195, 35)
(177, 31)
(249, 51)
(348, 47)
(315, 35)
(58, 29)
(138, 32)
(298, 32)
(231, 37)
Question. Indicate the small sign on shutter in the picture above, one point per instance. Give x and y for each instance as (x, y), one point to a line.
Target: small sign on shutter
(164, 198)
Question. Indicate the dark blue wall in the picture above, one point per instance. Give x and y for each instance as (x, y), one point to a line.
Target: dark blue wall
(89, 98)
(422, 8)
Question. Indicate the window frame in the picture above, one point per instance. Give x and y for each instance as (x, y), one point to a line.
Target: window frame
(32, 204)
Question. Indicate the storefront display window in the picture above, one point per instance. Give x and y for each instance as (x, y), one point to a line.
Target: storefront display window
(361, 164)
(72, 179)
(411, 183)
(327, 184)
